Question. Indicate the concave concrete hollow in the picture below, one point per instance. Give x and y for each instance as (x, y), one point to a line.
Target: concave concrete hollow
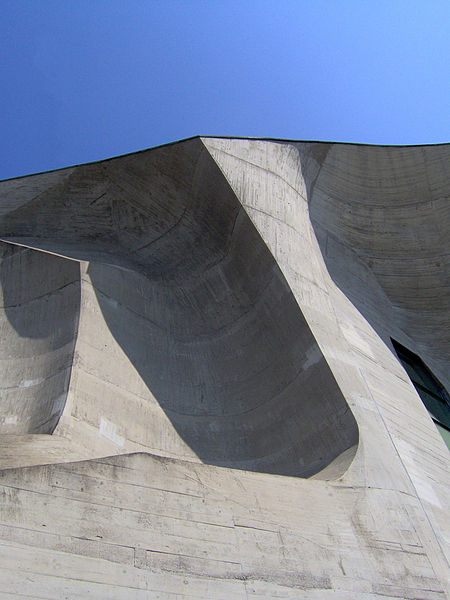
(195, 300)
(387, 208)
(38, 326)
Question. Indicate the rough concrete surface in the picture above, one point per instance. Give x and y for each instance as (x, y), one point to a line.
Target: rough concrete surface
(199, 397)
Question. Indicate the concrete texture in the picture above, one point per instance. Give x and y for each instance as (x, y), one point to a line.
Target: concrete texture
(218, 312)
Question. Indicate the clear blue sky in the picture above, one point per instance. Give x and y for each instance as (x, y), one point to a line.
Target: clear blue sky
(82, 80)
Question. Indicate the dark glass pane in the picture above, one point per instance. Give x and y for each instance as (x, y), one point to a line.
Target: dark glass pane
(445, 433)
(430, 390)
(439, 410)
(412, 372)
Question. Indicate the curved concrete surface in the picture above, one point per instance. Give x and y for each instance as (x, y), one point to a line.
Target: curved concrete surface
(232, 303)
(193, 297)
(38, 322)
(389, 209)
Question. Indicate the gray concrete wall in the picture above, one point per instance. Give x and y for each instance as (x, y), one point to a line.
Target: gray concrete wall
(38, 329)
(237, 299)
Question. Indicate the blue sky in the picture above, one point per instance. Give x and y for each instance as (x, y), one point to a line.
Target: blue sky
(87, 79)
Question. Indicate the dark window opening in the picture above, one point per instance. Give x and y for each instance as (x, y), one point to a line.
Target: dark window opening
(432, 393)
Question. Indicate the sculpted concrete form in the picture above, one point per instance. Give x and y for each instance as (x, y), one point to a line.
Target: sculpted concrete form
(219, 313)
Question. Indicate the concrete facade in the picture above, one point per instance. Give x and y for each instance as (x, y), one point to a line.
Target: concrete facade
(199, 393)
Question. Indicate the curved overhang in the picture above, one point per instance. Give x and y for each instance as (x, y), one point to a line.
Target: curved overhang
(171, 303)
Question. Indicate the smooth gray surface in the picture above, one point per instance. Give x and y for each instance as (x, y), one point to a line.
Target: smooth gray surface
(39, 321)
(236, 300)
(201, 311)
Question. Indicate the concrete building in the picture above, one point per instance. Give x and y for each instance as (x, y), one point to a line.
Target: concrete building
(223, 374)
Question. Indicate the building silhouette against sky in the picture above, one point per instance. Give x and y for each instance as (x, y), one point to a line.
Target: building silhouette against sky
(224, 374)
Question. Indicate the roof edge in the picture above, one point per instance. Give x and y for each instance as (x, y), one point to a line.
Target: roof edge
(225, 137)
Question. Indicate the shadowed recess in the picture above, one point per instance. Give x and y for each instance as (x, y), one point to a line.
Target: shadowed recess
(38, 321)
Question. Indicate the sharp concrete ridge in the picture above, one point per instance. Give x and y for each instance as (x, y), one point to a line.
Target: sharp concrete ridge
(199, 393)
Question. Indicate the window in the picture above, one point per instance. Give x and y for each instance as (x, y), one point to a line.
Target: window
(431, 391)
